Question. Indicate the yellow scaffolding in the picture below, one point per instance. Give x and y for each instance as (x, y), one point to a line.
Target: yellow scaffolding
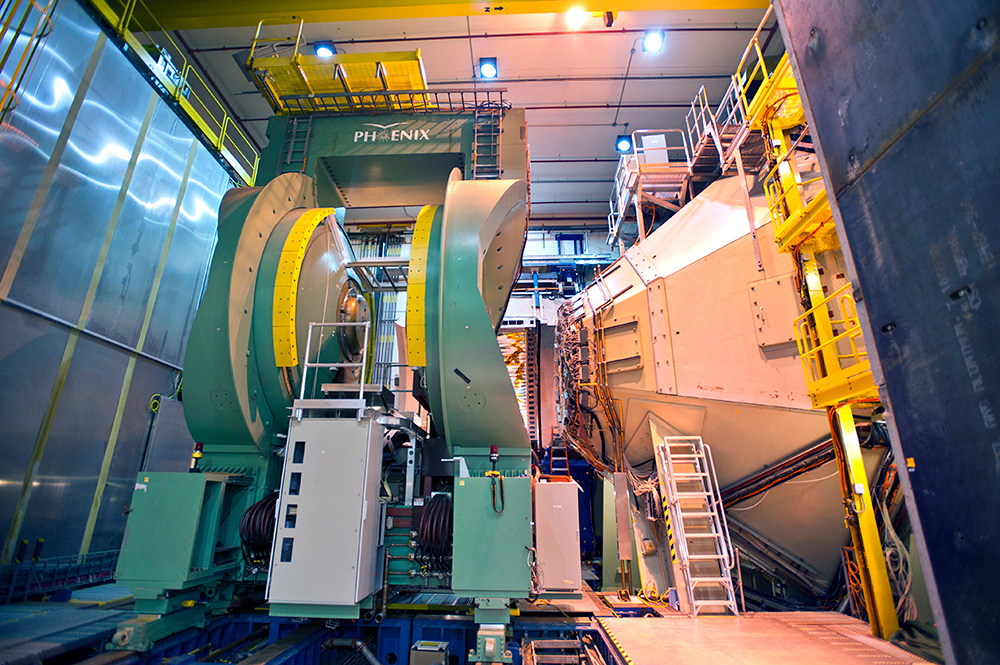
(295, 82)
(828, 334)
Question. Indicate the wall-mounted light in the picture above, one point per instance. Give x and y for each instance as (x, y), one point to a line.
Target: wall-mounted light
(488, 68)
(652, 41)
(576, 17)
(324, 49)
(623, 143)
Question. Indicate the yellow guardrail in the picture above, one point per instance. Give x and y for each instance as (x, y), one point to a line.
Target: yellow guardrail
(799, 209)
(836, 369)
(169, 66)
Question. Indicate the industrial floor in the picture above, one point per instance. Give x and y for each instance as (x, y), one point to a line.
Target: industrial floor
(792, 638)
(32, 632)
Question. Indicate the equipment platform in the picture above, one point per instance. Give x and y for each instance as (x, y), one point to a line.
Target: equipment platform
(785, 638)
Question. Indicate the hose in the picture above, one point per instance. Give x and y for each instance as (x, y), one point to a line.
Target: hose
(257, 532)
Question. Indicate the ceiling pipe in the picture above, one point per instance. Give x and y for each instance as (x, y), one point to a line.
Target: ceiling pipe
(500, 35)
(576, 160)
(590, 79)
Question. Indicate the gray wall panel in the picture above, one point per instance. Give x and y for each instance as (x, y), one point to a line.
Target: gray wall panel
(121, 300)
(60, 260)
(30, 350)
(904, 98)
(28, 140)
(148, 379)
(187, 264)
(60, 257)
(68, 472)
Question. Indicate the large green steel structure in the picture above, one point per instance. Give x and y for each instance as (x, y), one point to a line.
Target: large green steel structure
(283, 263)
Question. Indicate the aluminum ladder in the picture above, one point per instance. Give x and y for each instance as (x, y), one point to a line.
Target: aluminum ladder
(295, 145)
(558, 456)
(701, 552)
(486, 143)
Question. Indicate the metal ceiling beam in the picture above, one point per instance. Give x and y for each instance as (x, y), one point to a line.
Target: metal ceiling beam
(193, 14)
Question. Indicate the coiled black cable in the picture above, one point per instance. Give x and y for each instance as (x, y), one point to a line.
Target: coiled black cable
(257, 532)
(434, 532)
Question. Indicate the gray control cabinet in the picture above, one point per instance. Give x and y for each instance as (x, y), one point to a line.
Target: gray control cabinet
(557, 536)
(326, 534)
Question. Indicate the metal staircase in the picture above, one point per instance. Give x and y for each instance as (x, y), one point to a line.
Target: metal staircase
(486, 143)
(295, 145)
(700, 549)
(558, 456)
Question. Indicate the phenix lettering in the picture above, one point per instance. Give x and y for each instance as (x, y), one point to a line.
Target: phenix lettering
(387, 133)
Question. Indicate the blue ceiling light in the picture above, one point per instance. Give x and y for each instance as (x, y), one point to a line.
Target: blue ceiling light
(325, 49)
(652, 41)
(488, 68)
(623, 143)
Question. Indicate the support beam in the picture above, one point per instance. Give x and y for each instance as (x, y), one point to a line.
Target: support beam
(193, 14)
(864, 531)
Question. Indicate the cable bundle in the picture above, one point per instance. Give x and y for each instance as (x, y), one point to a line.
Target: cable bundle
(257, 532)
(434, 532)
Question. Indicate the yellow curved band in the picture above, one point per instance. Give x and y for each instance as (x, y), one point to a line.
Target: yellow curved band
(416, 289)
(286, 283)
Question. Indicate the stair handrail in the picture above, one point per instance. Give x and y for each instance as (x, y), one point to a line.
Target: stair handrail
(729, 557)
(677, 523)
(745, 74)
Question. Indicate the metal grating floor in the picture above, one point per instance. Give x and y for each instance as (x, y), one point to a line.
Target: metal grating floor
(31, 633)
(105, 593)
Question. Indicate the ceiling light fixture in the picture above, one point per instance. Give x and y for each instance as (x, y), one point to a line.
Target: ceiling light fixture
(623, 143)
(652, 41)
(488, 68)
(576, 17)
(325, 49)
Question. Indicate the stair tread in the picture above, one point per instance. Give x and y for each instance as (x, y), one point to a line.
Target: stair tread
(718, 580)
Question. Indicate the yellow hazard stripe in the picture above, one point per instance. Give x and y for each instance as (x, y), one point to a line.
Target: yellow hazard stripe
(286, 283)
(614, 640)
(416, 289)
(670, 532)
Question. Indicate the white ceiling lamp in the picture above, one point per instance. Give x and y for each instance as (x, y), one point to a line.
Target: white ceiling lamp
(652, 41)
(576, 17)
(488, 68)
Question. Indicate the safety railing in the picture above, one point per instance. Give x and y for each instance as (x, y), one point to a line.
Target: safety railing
(660, 158)
(167, 67)
(278, 46)
(359, 403)
(700, 119)
(24, 25)
(718, 511)
(798, 207)
(649, 151)
(836, 366)
(20, 581)
(752, 69)
(378, 102)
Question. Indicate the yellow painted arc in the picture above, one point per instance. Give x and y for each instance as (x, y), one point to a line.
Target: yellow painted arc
(286, 282)
(416, 289)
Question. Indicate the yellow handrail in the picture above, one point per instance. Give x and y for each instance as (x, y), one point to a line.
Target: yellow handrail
(159, 53)
(850, 377)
